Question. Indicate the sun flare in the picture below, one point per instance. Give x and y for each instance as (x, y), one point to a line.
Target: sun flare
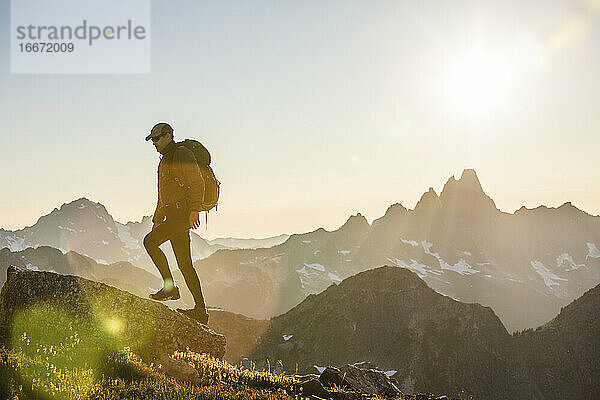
(478, 83)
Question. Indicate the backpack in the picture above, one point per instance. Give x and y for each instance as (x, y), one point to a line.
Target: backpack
(211, 183)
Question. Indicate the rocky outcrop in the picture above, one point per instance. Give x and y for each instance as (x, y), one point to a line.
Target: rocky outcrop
(122, 275)
(149, 328)
(353, 383)
(367, 381)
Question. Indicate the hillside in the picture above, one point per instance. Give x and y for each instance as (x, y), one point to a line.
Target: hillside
(389, 318)
(564, 354)
(67, 337)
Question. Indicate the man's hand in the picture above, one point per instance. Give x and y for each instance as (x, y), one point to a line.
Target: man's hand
(194, 219)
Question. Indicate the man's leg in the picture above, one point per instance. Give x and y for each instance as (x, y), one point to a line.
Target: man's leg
(157, 236)
(181, 248)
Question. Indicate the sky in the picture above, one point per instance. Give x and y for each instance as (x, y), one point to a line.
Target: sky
(314, 111)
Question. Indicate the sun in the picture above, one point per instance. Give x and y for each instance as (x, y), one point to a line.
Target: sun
(478, 83)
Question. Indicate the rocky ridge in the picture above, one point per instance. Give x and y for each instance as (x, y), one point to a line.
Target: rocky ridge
(32, 300)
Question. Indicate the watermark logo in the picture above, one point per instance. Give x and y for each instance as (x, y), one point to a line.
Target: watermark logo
(74, 36)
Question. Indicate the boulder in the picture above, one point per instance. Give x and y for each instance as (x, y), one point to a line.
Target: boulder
(51, 304)
(332, 376)
(365, 381)
(311, 387)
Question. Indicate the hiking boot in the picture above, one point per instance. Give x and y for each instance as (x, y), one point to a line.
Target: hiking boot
(195, 313)
(166, 294)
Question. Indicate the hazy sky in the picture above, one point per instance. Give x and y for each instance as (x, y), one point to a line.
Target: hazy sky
(315, 110)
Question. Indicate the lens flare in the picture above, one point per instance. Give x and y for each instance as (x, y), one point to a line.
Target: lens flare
(114, 326)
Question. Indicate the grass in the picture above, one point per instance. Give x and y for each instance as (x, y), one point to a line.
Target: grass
(49, 358)
(66, 365)
(121, 375)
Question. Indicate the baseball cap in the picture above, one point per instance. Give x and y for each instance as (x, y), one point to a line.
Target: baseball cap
(159, 129)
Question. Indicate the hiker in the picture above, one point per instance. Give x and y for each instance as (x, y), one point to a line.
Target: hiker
(180, 198)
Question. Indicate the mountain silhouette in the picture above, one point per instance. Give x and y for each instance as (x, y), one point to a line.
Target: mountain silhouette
(519, 264)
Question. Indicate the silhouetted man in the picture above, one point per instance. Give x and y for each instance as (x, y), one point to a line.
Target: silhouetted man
(180, 195)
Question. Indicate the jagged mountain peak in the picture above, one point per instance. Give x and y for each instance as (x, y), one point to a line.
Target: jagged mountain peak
(357, 219)
(393, 212)
(465, 192)
(569, 207)
(83, 203)
(469, 174)
(429, 200)
(468, 182)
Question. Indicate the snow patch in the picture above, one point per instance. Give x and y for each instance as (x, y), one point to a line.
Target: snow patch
(126, 238)
(411, 242)
(358, 364)
(421, 269)
(344, 252)
(550, 279)
(462, 267)
(390, 372)
(334, 277)
(308, 271)
(14, 243)
(306, 241)
(320, 369)
(287, 337)
(276, 258)
(104, 242)
(593, 251)
(316, 252)
(31, 267)
(566, 258)
(316, 266)
(67, 228)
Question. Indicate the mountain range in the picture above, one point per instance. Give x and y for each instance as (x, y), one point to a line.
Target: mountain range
(390, 319)
(87, 228)
(525, 265)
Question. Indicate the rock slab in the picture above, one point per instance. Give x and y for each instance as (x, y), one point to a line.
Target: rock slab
(149, 328)
(365, 381)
